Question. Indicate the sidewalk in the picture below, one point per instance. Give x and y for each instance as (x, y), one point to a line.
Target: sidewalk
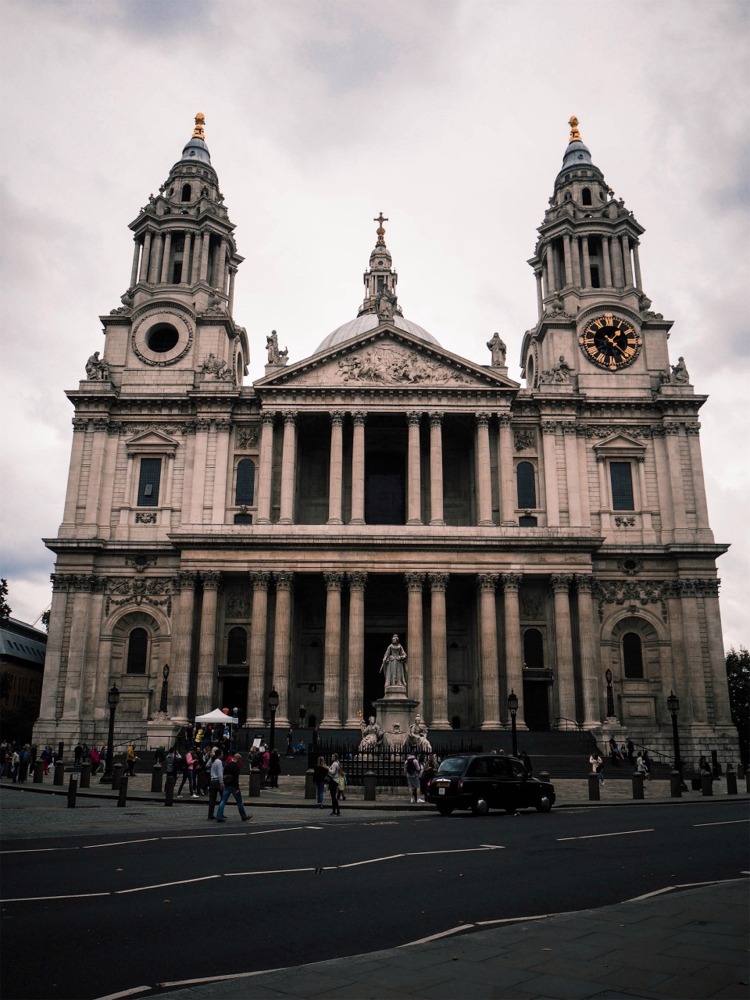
(687, 944)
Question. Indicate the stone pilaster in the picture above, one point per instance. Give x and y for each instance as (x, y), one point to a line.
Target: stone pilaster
(566, 694)
(486, 584)
(358, 468)
(414, 467)
(589, 646)
(513, 651)
(336, 468)
(258, 641)
(207, 646)
(332, 653)
(356, 673)
(265, 468)
(288, 468)
(549, 451)
(506, 479)
(436, 469)
(282, 646)
(482, 469)
(439, 651)
(414, 628)
(181, 657)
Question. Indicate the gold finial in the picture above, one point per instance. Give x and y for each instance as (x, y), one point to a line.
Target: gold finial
(380, 231)
(575, 135)
(199, 132)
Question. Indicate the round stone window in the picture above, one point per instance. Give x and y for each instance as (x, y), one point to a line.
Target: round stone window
(162, 338)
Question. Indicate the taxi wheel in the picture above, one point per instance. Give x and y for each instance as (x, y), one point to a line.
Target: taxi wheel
(480, 807)
(544, 805)
(444, 809)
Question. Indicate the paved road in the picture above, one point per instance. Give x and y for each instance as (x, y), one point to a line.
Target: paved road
(187, 899)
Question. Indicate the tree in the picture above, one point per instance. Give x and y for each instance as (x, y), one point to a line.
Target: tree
(738, 677)
(5, 608)
(45, 619)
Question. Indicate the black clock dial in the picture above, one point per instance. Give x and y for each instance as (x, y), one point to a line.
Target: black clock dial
(610, 342)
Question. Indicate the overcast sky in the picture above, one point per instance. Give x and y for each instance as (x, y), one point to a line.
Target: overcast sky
(449, 116)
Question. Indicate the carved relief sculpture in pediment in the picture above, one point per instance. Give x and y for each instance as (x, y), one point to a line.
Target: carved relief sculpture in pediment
(391, 365)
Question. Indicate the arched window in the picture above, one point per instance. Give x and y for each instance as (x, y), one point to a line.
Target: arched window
(245, 490)
(586, 196)
(137, 651)
(526, 485)
(186, 193)
(533, 649)
(237, 645)
(632, 655)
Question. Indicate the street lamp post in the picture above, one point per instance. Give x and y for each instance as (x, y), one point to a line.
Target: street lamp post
(513, 708)
(673, 704)
(273, 704)
(235, 734)
(113, 699)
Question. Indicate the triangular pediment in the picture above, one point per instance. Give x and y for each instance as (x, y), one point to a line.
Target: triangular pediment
(151, 441)
(386, 358)
(619, 444)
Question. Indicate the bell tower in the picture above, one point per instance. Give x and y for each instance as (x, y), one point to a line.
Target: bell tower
(595, 328)
(175, 321)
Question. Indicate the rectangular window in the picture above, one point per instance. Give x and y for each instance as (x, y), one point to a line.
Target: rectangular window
(148, 484)
(621, 476)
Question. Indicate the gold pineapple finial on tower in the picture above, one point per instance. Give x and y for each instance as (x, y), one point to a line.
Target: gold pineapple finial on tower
(199, 132)
(575, 135)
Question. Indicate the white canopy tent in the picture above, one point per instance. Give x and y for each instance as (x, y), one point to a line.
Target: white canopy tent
(217, 716)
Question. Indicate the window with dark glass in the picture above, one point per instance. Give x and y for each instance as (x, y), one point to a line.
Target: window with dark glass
(237, 645)
(621, 476)
(185, 192)
(533, 649)
(526, 484)
(148, 483)
(245, 489)
(527, 521)
(137, 651)
(632, 655)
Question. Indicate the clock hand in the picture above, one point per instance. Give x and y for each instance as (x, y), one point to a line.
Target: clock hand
(613, 343)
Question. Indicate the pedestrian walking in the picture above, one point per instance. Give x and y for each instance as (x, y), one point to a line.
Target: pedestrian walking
(341, 796)
(216, 780)
(597, 765)
(274, 768)
(334, 772)
(320, 779)
(130, 759)
(232, 787)
(290, 742)
(188, 774)
(412, 770)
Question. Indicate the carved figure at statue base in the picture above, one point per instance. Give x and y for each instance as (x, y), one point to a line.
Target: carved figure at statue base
(394, 664)
(417, 737)
(372, 737)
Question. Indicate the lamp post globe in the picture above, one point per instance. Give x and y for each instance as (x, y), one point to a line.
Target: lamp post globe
(273, 704)
(113, 699)
(235, 734)
(513, 708)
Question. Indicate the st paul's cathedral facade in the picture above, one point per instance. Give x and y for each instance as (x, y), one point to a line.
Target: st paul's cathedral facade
(549, 539)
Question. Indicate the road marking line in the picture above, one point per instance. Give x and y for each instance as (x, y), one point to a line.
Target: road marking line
(436, 937)
(271, 871)
(494, 847)
(166, 885)
(515, 920)
(457, 850)
(221, 979)
(40, 850)
(596, 836)
(38, 899)
(371, 861)
(126, 993)
(679, 885)
(729, 822)
(120, 843)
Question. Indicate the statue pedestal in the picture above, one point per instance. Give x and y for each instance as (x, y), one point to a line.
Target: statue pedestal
(161, 732)
(395, 713)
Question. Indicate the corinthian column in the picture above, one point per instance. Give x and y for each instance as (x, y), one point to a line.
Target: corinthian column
(258, 637)
(486, 583)
(282, 643)
(482, 471)
(207, 645)
(288, 468)
(439, 652)
(513, 651)
(181, 653)
(332, 664)
(566, 693)
(356, 678)
(436, 469)
(265, 468)
(336, 468)
(358, 469)
(589, 653)
(414, 461)
(415, 678)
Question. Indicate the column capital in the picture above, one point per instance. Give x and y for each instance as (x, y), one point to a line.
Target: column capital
(359, 418)
(337, 418)
(482, 419)
(511, 581)
(268, 417)
(585, 582)
(503, 419)
(283, 580)
(210, 580)
(487, 581)
(260, 580)
(561, 582)
(438, 582)
(549, 426)
(413, 417)
(290, 416)
(333, 581)
(357, 580)
(414, 582)
(185, 580)
(436, 418)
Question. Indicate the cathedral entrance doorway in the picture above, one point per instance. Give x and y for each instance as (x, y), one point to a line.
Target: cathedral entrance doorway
(234, 695)
(385, 489)
(536, 705)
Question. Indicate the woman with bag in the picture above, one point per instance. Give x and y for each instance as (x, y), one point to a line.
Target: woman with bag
(320, 778)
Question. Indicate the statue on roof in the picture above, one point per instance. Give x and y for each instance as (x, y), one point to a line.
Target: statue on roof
(497, 350)
(275, 356)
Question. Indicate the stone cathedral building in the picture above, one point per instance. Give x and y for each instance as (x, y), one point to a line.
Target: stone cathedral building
(549, 538)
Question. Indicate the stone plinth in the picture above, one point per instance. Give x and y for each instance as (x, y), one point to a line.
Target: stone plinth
(395, 712)
(161, 732)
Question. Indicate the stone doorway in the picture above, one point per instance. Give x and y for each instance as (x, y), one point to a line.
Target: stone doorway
(536, 705)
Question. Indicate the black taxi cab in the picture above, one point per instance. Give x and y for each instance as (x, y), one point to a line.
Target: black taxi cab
(484, 781)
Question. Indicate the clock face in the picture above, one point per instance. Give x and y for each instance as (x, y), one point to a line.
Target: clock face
(610, 342)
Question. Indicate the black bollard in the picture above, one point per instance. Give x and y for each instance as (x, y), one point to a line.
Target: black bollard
(675, 785)
(38, 772)
(371, 786)
(594, 783)
(60, 749)
(72, 790)
(59, 778)
(169, 791)
(310, 790)
(122, 798)
(156, 778)
(116, 776)
(637, 785)
(86, 775)
(731, 781)
(254, 787)
(707, 784)
(715, 764)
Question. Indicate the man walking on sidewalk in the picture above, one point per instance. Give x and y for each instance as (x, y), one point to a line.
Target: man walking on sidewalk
(232, 787)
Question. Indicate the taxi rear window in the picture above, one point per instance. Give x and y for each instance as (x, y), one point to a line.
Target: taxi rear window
(454, 765)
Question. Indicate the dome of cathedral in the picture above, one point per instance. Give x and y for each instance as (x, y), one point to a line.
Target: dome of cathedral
(368, 321)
